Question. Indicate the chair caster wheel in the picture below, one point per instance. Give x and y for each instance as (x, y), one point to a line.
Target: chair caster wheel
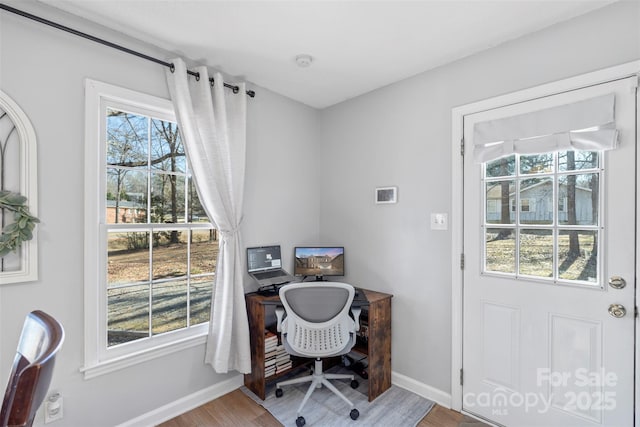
(300, 421)
(354, 414)
(354, 384)
(279, 392)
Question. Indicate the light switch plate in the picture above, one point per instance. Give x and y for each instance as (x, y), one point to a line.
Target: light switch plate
(439, 221)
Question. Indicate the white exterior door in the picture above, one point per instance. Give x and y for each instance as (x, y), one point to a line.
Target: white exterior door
(549, 241)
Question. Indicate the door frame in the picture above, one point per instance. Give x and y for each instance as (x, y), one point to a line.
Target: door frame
(457, 203)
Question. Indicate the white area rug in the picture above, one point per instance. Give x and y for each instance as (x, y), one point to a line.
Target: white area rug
(395, 407)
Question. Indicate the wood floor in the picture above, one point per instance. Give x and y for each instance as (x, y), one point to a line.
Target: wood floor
(237, 409)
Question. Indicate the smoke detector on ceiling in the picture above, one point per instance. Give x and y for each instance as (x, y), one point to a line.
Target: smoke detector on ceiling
(304, 60)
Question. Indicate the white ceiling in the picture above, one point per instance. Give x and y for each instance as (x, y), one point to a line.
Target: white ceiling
(357, 46)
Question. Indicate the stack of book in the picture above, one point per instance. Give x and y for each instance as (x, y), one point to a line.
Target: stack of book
(283, 360)
(270, 353)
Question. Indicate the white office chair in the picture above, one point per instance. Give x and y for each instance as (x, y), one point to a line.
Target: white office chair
(317, 324)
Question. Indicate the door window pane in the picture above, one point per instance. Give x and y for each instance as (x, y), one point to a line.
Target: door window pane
(581, 193)
(500, 197)
(536, 253)
(500, 250)
(539, 163)
(536, 201)
(578, 160)
(578, 255)
(504, 166)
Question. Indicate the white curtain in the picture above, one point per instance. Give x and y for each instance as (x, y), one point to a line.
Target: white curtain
(212, 122)
(585, 125)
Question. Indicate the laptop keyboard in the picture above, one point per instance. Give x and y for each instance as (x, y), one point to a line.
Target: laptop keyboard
(268, 274)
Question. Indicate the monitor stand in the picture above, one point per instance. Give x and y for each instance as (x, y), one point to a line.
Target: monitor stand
(320, 279)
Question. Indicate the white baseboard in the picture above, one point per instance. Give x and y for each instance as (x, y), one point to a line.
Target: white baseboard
(421, 389)
(201, 397)
(185, 404)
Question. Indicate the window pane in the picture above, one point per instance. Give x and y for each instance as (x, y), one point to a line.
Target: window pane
(536, 201)
(126, 196)
(581, 195)
(128, 314)
(578, 255)
(169, 306)
(536, 253)
(577, 160)
(127, 257)
(201, 289)
(196, 211)
(500, 250)
(167, 198)
(504, 166)
(204, 251)
(167, 152)
(500, 198)
(539, 163)
(127, 139)
(169, 254)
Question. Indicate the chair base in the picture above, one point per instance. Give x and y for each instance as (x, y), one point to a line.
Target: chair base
(318, 379)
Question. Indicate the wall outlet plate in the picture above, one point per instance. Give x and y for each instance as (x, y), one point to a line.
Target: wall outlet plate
(53, 408)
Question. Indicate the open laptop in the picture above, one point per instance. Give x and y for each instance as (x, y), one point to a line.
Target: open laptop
(264, 264)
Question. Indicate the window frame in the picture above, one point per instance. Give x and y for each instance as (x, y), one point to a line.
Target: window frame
(555, 227)
(100, 359)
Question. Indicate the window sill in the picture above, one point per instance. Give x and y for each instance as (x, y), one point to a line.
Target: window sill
(108, 366)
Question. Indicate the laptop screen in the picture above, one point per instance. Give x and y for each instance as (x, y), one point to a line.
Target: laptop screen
(263, 258)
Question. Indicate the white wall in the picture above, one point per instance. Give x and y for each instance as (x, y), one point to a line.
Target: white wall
(400, 135)
(43, 70)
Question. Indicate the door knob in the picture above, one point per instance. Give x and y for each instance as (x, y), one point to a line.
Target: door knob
(617, 310)
(617, 282)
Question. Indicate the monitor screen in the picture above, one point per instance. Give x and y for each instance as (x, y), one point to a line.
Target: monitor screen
(263, 258)
(319, 261)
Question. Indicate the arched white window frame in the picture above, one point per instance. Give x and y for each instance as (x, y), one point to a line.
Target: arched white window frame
(28, 187)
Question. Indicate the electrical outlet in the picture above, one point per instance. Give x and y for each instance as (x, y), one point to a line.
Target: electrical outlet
(53, 408)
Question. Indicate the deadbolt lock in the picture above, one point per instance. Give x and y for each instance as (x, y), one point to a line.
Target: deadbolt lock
(617, 310)
(617, 282)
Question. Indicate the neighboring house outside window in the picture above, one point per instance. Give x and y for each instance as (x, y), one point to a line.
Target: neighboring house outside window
(150, 249)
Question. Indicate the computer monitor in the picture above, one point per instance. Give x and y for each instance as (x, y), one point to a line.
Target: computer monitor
(319, 261)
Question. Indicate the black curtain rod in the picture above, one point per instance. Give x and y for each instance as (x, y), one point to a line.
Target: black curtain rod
(235, 89)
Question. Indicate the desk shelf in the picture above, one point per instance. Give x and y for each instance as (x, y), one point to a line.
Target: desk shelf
(377, 347)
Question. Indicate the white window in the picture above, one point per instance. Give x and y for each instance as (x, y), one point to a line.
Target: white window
(555, 234)
(150, 250)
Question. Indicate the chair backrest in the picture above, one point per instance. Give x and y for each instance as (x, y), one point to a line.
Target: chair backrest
(318, 322)
(41, 338)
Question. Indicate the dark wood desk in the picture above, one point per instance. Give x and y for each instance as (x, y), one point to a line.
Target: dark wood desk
(378, 346)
